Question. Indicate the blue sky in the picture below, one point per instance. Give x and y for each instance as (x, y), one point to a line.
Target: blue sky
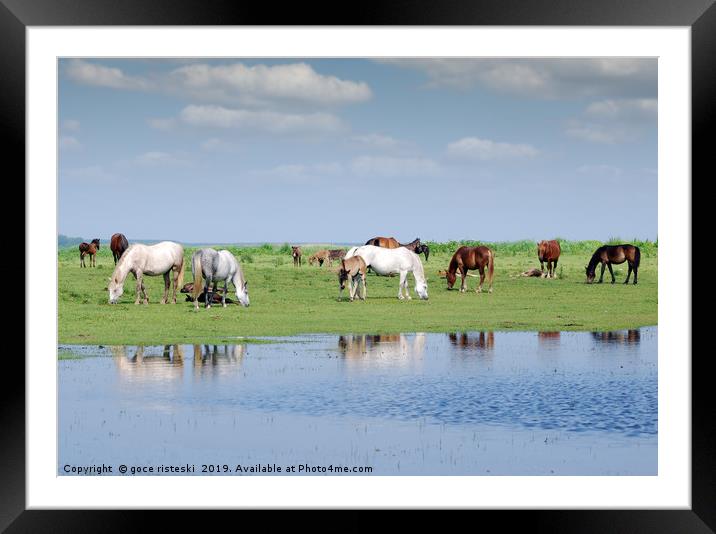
(342, 150)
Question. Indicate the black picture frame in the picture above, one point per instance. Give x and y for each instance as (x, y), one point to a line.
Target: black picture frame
(699, 15)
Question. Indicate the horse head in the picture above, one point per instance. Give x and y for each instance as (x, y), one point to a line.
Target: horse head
(242, 293)
(450, 277)
(342, 275)
(115, 290)
(591, 274)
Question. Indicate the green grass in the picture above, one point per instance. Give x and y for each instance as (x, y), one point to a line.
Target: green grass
(287, 300)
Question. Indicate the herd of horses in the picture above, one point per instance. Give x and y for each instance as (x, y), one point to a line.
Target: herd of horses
(384, 256)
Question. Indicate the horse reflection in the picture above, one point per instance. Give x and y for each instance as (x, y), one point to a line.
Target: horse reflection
(549, 338)
(154, 362)
(482, 341)
(630, 337)
(391, 349)
(216, 355)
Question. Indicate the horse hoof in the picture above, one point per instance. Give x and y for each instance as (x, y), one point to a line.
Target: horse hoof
(223, 305)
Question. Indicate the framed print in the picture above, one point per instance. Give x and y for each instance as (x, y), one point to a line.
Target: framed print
(288, 147)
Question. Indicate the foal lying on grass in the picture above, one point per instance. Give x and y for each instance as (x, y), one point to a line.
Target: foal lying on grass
(350, 270)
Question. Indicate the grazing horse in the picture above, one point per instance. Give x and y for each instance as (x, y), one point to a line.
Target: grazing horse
(614, 254)
(390, 242)
(91, 249)
(152, 260)
(386, 261)
(214, 266)
(471, 258)
(548, 252)
(296, 253)
(319, 257)
(118, 244)
(350, 270)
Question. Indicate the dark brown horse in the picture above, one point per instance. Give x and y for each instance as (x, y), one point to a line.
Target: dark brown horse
(390, 242)
(118, 244)
(296, 253)
(91, 249)
(471, 258)
(614, 254)
(548, 252)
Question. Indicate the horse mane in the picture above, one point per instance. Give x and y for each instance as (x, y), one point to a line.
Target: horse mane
(595, 258)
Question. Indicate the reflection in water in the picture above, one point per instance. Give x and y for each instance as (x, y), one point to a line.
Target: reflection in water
(165, 362)
(549, 338)
(630, 337)
(213, 354)
(388, 348)
(475, 340)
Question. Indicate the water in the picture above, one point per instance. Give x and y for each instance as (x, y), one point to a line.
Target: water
(477, 403)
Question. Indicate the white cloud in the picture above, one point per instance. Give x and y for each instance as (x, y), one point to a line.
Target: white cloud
(384, 166)
(162, 124)
(251, 85)
(68, 142)
(541, 78)
(95, 74)
(273, 122)
(614, 121)
(157, 158)
(236, 83)
(474, 148)
(377, 142)
(624, 109)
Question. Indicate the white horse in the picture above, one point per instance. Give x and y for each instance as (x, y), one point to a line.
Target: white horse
(152, 260)
(385, 261)
(214, 266)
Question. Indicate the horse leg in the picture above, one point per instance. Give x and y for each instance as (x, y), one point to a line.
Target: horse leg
(628, 272)
(611, 272)
(82, 260)
(138, 276)
(402, 284)
(352, 287)
(226, 290)
(208, 295)
(362, 277)
(463, 279)
(601, 276)
(541, 268)
(482, 280)
(636, 269)
(166, 287)
(554, 268)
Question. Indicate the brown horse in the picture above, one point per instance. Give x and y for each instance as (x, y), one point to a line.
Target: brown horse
(350, 270)
(118, 244)
(326, 256)
(390, 242)
(296, 253)
(91, 249)
(471, 258)
(548, 252)
(616, 254)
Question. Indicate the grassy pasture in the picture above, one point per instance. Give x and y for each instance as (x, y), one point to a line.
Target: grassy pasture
(287, 300)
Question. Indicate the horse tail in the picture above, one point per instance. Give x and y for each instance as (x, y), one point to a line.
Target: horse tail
(180, 275)
(196, 270)
(637, 257)
(490, 265)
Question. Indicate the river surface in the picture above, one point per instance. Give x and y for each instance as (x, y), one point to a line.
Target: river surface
(475, 403)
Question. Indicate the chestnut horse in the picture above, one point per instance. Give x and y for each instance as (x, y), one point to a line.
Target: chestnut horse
(91, 249)
(548, 252)
(616, 254)
(296, 253)
(390, 242)
(118, 244)
(471, 258)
